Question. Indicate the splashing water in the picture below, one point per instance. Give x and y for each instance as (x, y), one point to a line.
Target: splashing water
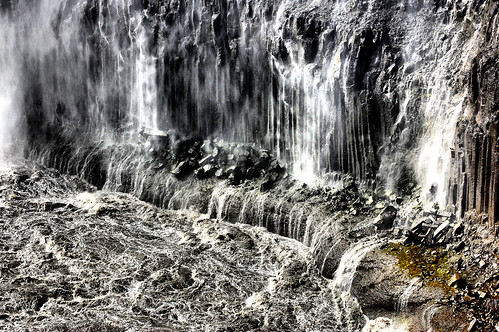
(10, 127)
(403, 301)
(345, 272)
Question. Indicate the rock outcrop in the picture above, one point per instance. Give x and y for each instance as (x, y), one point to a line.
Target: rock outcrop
(395, 93)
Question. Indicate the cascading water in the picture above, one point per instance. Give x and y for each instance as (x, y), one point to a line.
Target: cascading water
(282, 76)
(404, 298)
(335, 90)
(11, 128)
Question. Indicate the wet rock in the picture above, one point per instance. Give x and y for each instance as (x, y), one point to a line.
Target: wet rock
(251, 173)
(444, 318)
(184, 168)
(431, 231)
(51, 206)
(207, 160)
(267, 183)
(206, 172)
(380, 283)
(439, 235)
(236, 176)
(183, 278)
(386, 219)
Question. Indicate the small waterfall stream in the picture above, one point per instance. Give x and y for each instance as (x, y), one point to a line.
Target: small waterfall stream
(404, 298)
(345, 272)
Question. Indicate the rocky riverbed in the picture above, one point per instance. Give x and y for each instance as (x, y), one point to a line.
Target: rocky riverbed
(423, 266)
(73, 258)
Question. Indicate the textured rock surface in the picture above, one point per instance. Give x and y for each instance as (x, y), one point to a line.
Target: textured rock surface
(395, 93)
(399, 95)
(96, 261)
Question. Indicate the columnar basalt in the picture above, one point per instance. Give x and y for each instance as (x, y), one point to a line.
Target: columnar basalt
(394, 93)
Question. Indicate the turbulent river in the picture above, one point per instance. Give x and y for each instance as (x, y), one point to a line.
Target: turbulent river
(77, 259)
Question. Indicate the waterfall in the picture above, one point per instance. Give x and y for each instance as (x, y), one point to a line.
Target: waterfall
(303, 118)
(320, 83)
(345, 272)
(401, 304)
(11, 128)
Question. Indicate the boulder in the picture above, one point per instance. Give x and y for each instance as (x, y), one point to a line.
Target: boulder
(184, 168)
(440, 233)
(386, 218)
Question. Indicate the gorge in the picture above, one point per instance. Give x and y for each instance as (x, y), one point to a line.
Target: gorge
(325, 165)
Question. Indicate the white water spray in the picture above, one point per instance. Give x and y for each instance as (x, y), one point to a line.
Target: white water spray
(350, 260)
(10, 103)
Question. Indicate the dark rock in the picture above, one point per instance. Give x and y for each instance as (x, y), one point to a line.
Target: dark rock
(418, 226)
(209, 159)
(236, 176)
(206, 172)
(472, 324)
(267, 184)
(441, 232)
(459, 246)
(457, 281)
(200, 174)
(184, 168)
(221, 174)
(251, 173)
(51, 206)
(386, 219)
(458, 229)
(183, 279)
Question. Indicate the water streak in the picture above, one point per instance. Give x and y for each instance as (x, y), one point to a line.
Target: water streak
(10, 89)
(347, 268)
(403, 301)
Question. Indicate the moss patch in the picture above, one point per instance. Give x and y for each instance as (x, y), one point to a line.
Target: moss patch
(430, 265)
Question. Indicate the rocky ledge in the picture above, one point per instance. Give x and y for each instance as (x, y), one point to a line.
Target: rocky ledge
(429, 264)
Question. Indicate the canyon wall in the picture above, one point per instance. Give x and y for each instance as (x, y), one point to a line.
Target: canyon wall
(400, 94)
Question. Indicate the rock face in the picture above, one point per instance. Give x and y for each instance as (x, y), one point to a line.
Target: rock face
(395, 93)
(477, 180)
